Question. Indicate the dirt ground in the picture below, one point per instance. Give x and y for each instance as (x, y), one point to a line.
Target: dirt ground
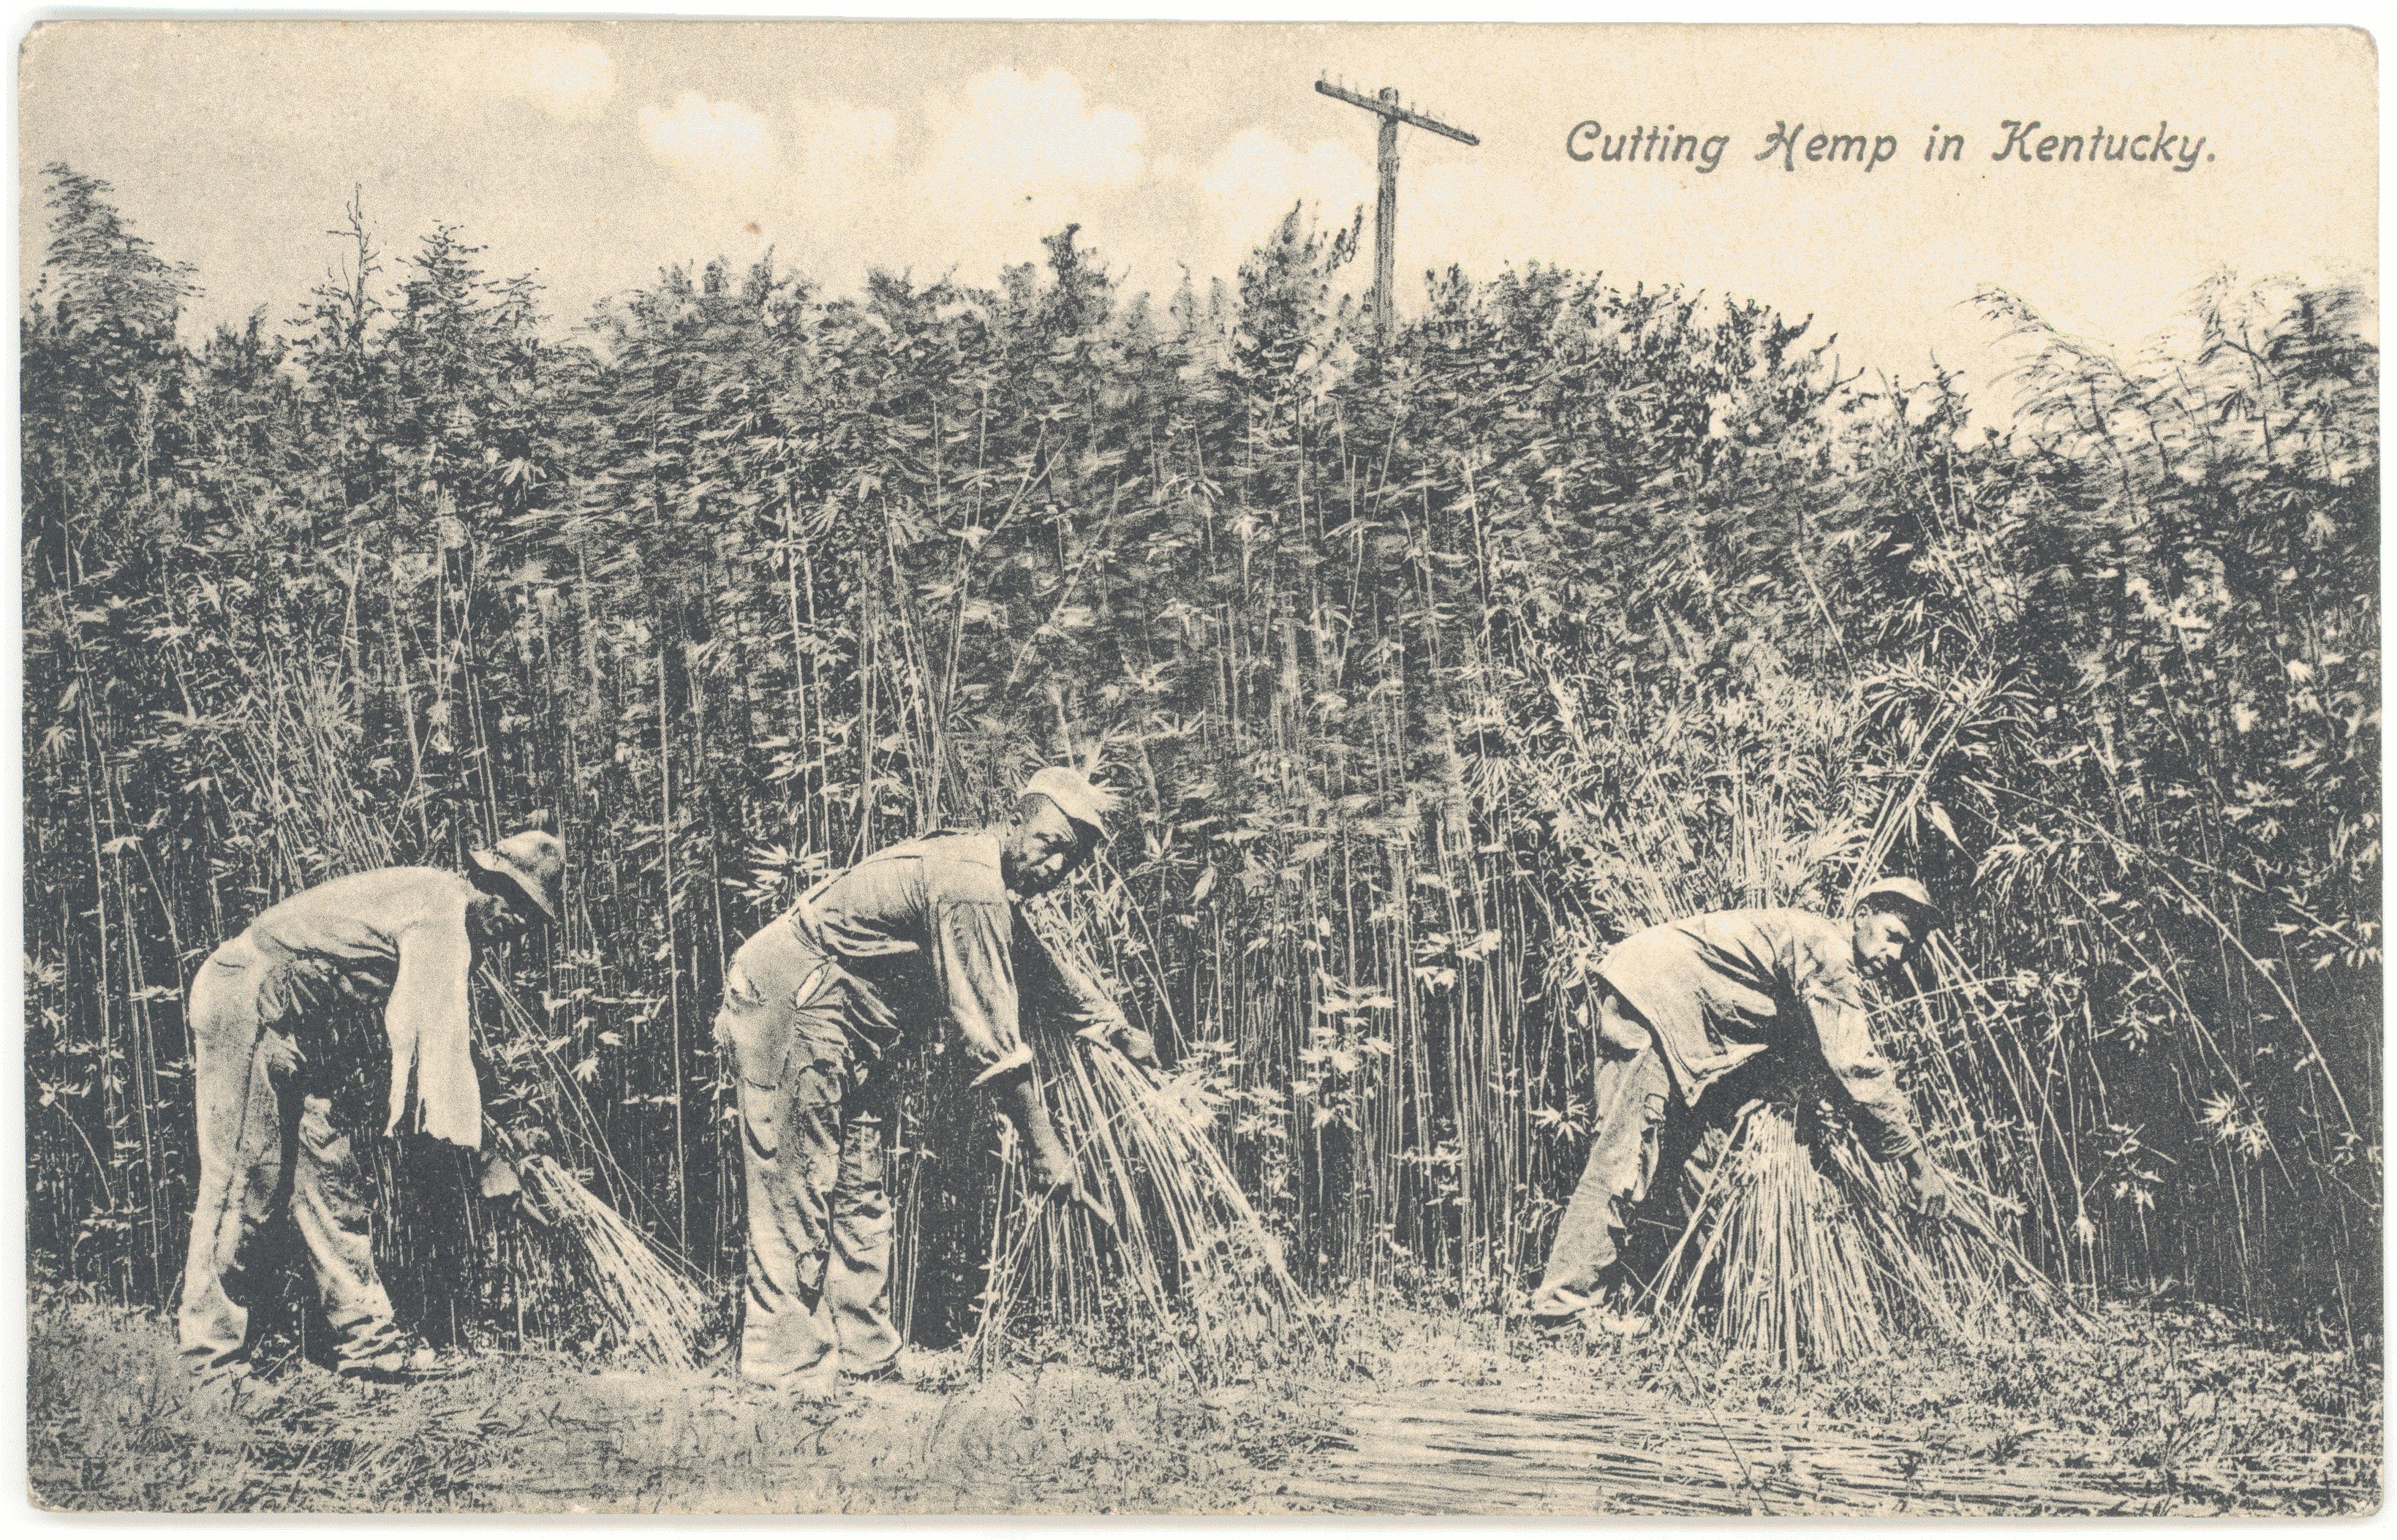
(1396, 1410)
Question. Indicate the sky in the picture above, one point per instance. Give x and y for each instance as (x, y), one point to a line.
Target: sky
(594, 154)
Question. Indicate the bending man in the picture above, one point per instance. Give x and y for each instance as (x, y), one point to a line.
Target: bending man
(814, 1006)
(1678, 1006)
(282, 1082)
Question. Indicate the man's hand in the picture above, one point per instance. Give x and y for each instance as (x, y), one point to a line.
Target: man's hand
(498, 1177)
(1052, 1167)
(1930, 1187)
(1055, 1177)
(1111, 1026)
(1096, 1207)
(497, 1181)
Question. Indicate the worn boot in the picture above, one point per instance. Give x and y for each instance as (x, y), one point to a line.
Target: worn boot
(405, 1363)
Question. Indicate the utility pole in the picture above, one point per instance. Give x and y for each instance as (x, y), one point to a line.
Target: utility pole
(1385, 202)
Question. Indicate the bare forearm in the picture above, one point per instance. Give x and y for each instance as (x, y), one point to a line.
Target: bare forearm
(1018, 1095)
(1053, 1165)
(1891, 1135)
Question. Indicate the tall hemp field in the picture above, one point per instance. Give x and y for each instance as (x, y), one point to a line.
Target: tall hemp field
(1424, 676)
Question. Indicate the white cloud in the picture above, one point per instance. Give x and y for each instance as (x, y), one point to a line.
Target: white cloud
(717, 141)
(1015, 138)
(1254, 181)
(572, 82)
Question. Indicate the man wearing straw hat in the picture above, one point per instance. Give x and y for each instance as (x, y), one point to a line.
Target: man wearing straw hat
(1678, 1006)
(277, 1056)
(817, 1002)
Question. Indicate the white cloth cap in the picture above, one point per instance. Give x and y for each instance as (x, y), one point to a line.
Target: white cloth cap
(1075, 797)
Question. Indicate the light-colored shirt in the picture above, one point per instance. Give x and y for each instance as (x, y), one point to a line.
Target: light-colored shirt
(397, 938)
(1720, 989)
(933, 915)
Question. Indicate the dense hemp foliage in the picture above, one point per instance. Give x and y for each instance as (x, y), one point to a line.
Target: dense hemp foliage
(1425, 675)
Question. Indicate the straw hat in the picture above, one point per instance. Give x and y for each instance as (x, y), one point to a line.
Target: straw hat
(532, 859)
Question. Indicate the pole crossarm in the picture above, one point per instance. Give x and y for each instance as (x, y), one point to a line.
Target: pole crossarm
(1392, 111)
(1385, 200)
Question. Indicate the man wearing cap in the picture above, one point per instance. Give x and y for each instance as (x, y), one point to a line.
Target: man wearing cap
(1678, 1008)
(814, 1007)
(279, 1044)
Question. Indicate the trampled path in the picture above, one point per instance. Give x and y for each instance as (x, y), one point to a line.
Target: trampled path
(1455, 1449)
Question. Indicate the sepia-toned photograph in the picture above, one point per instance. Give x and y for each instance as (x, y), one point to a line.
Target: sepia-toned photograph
(1200, 768)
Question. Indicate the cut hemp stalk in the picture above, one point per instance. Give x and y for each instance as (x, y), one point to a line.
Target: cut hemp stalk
(1190, 1273)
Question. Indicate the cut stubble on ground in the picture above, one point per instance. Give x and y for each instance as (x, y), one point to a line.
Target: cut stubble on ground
(1403, 1410)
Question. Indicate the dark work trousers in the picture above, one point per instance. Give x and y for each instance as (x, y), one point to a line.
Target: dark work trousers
(1642, 1132)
